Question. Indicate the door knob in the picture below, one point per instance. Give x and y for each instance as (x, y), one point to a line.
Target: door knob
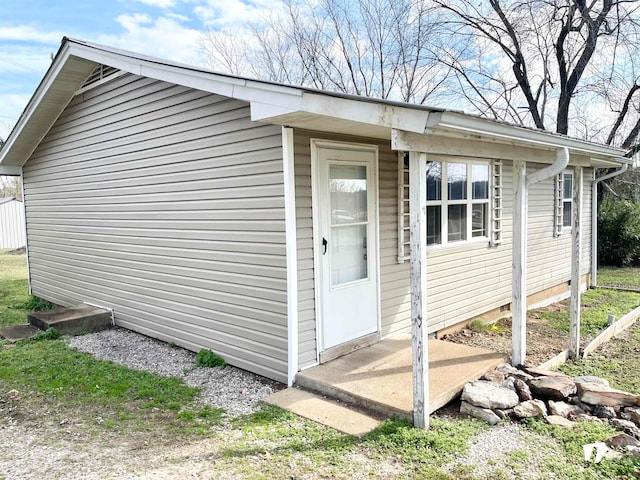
(324, 244)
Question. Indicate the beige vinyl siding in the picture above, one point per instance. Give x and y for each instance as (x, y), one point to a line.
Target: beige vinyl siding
(167, 205)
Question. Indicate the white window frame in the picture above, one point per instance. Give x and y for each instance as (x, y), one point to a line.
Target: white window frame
(494, 207)
(469, 201)
(560, 200)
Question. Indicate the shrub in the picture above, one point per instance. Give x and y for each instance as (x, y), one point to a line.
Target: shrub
(619, 232)
(206, 358)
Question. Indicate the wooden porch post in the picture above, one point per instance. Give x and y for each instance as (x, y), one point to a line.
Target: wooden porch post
(519, 265)
(419, 333)
(576, 256)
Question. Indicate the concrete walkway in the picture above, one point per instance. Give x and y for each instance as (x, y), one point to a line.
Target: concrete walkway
(379, 377)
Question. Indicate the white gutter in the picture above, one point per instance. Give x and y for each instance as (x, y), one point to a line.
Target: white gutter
(594, 221)
(562, 160)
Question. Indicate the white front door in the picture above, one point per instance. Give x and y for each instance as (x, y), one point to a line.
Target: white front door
(347, 242)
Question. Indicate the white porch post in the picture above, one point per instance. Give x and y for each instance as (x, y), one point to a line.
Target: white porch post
(419, 332)
(519, 265)
(576, 247)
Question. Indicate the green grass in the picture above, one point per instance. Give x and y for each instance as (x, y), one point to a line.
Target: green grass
(619, 277)
(567, 460)
(79, 381)
(14, 289)
(620, 365)
(597, 304)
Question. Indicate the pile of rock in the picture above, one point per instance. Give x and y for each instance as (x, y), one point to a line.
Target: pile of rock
(559, 399)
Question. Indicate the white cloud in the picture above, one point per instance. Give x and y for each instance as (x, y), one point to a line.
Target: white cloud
(158, 3)
(25, 33)
(225, 13)
(163, 37)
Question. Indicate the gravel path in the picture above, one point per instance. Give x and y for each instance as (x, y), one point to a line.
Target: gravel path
(237, 391)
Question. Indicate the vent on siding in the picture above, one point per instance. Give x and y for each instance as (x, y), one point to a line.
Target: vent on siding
(99, 73)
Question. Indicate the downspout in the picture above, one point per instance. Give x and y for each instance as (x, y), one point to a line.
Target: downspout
(519, 250)
(562, 160)
(594, 221)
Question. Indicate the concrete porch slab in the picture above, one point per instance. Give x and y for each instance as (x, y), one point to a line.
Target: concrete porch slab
(380, 377)
(323, 410)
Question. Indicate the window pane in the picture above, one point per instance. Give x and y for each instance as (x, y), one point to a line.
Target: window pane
(348, 250)
(567, 187)
(566, 214)
(480, 181)
(479, 220)
(434, 225)
(457, 220)
(457, 181)
(348, 187)
(434, 181)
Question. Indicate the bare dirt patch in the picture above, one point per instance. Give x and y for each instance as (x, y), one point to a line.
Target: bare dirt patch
(543, 341)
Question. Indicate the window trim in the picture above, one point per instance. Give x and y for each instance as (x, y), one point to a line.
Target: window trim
(560, 200)
(494, 204)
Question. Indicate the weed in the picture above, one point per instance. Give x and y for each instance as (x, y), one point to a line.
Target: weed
(187, 415)
(171, 344)
(34, 304)
(50, 334)
(422, 449)
(206, 358)
(481, 325)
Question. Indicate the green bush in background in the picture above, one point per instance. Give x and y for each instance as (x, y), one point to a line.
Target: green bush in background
(619, 232)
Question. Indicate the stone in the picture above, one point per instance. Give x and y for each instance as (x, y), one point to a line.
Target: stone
(554, 388)
(634, 451)
(585, 417)
(494, 376)
(489, 395)
(602, 411)
(559, 421)
(622, 440)
(539, 372)
(503, 413)
(590, 379)
(484, 414)
(598, 394)
(563, 409)
(626, 426)
(522, 389)
(632, 414)
(510, 370)
(530, 408)
(509, 383)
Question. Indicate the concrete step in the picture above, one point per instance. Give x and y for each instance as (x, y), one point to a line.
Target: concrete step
(326, 411)
(72, 320)
(14, 333)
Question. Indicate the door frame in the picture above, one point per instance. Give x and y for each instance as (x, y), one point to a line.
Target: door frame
(316, 145)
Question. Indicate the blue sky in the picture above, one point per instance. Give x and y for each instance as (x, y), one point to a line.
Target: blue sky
(31, 31)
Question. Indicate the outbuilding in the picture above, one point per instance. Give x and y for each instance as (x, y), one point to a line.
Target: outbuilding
(271, 223)
(11, 223)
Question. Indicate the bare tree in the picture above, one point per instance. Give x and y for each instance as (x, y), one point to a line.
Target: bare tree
(568, 65)
(375, 48)
(10, 187)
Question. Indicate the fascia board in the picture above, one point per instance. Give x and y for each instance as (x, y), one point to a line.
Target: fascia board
(238, 88)
(11, 170)
(366, 112)
(483, 127)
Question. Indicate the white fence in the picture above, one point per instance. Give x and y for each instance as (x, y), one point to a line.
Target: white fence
(11, 223)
